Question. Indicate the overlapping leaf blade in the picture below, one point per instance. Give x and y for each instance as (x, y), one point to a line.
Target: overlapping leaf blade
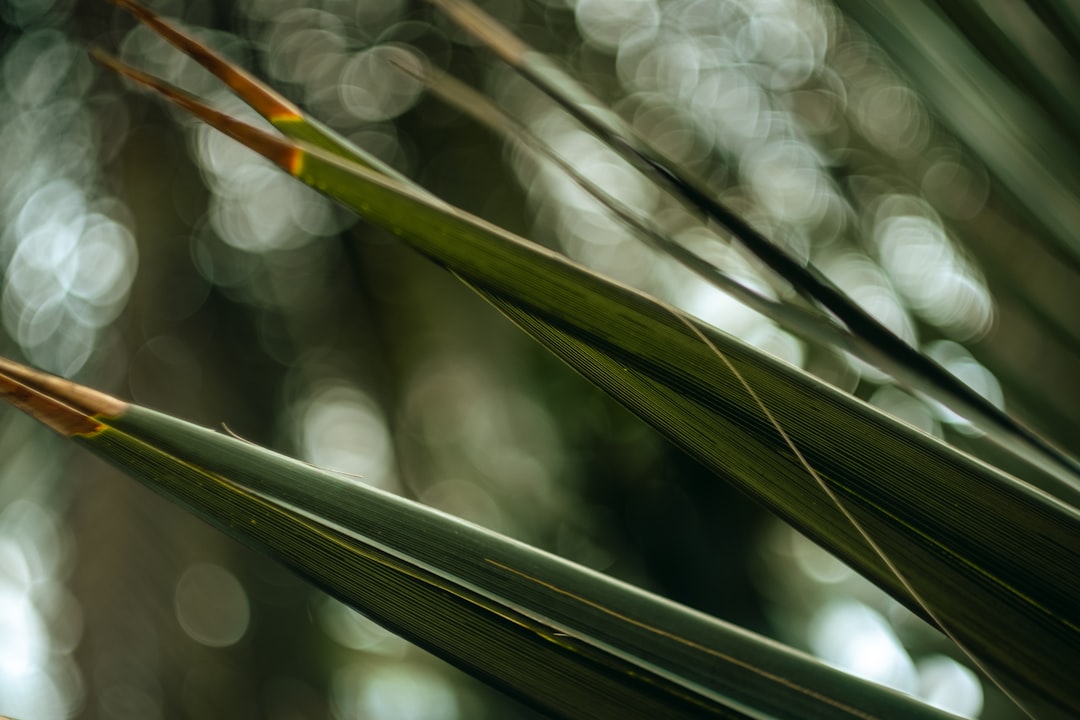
(865, 338)
(987, 558)
(954, 528)
(559, 636)
(876, 342)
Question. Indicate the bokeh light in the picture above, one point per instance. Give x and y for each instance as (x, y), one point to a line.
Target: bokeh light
(392, 693)
(851, 624)
(39, 622)
(947, 684)
(855, 638)
(356, 632)
(146, 254)
(211, 605)
(341, 429)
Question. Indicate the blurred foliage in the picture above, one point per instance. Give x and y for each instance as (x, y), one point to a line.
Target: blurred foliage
(146, 255)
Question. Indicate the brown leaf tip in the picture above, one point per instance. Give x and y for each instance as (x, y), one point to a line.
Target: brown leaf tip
(61, 404)
(275, 149)
(266, 101)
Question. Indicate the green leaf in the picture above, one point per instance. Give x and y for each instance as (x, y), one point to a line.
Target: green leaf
(988, 559)
(876, 343)
(991, 560)
(808, 323)
(566, 639)
(864, 336)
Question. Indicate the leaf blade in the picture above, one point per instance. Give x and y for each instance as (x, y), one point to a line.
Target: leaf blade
(864, 336)
(911, 492)
(566, 639)
(884, 348)
(610, 318)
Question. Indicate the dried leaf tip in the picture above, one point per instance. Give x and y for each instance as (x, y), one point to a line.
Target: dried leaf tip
(275, 149)
(255, 93)
(64, 406)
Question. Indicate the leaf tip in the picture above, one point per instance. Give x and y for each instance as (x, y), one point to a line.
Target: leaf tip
(64, 406)
(277, 150)
(264, 100)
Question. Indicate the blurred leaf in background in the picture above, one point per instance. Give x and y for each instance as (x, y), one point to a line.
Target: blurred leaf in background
(147, 255)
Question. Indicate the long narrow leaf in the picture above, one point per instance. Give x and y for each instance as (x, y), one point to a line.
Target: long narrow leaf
(889, 352)
(991, 560)
(921, 503)
(808, 324)
(566, 639)
(277, 110)
(904, 364)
